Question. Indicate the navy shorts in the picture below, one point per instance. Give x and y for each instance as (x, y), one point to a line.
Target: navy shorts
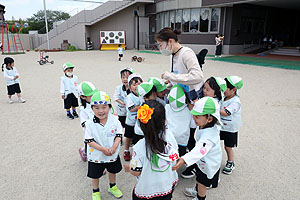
(70, 101)
(12, 89)
(202, 178)
(95, 170)
(230, 139)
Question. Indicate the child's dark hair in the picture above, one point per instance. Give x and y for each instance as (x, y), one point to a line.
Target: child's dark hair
(212, 123)
(83, 102)
(135, 79)
(122, 72)
(119, 45)
(152, 91)
(229, 85)
(214, 85)
(154, 130)
(7, 60)
(167, 33)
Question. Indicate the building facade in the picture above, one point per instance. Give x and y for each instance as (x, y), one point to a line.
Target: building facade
(244, 23)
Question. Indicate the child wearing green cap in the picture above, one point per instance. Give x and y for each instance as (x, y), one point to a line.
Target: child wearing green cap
(121, 92)
(178, 117)
(147, 91)
(213, 87)
(133, 102)
(86, 90)
(231, 118)
(69, 90)
(207, 153)
(103, 135)
(160, 90)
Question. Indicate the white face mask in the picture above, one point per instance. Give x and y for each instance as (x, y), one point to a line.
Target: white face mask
(166, 52)
(69, 73)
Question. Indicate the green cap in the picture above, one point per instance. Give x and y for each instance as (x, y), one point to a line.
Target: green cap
(100, 98)
(144, 88)
(221, 82)
(207, 106)
(236, 81)
(67, 65)
(87, 88)
(158, 83)
(127, 69)
(177, 98)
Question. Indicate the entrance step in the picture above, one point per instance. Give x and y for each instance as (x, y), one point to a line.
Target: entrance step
(286, 52)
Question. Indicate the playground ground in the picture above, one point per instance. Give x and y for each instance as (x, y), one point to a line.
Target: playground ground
(39, 145)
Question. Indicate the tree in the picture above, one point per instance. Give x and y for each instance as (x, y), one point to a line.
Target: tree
(37, 21)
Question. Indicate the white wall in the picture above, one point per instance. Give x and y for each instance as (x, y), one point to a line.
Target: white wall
(74, 35)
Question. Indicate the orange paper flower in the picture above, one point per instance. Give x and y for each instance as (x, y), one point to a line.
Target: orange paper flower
(144, 113)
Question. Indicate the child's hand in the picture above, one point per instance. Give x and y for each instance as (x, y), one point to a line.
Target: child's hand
(112, 150)
(16, 77)
(179, 164)
(63, 96)
(106, 152)
(127, 167)
(123, 104)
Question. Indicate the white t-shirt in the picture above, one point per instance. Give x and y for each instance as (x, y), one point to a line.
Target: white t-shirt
(120, 50)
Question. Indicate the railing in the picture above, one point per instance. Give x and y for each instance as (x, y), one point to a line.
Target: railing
(87, 17)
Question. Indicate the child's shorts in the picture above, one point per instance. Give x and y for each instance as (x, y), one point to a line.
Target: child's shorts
(129, 131)
(95, 170)
(122, 119)
(70, 101)
(136, 138)
(12, 89)
(121, 55)
(202, 178)
(230, 139)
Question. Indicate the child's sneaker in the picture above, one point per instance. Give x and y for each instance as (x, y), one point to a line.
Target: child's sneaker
(10, 101)
(70, 116)
(21, 100)
(115, 192)
(82, 155)
(96, 196)
(75, 114)
(229, 167)
(190, 192)
(188, 173)
(126, 155)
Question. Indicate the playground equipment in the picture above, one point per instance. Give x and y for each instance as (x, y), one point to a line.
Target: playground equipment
(44, 59)
(110, 40)
(11, 42)
(135, 58)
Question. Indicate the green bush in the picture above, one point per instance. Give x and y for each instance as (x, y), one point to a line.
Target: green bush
(71, 48)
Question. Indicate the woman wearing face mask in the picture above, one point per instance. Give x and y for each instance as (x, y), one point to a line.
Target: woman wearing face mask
(185, 69)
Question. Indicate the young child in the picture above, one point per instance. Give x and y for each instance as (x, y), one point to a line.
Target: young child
(207, 153)
(160, 90)
(178, 117)
(103, 135)
(69, 90)
(214, 87)
(121, 93)
(147, 91)
(86, 90)
(11, 77)
(231, 118)
(120, 50)
(133, 102)
(154, 156)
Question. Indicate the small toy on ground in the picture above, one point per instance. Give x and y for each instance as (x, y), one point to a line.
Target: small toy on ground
(135, 58)
(44, 59)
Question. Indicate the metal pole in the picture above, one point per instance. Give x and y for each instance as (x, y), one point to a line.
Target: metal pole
(138, 32)
(48, 43)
